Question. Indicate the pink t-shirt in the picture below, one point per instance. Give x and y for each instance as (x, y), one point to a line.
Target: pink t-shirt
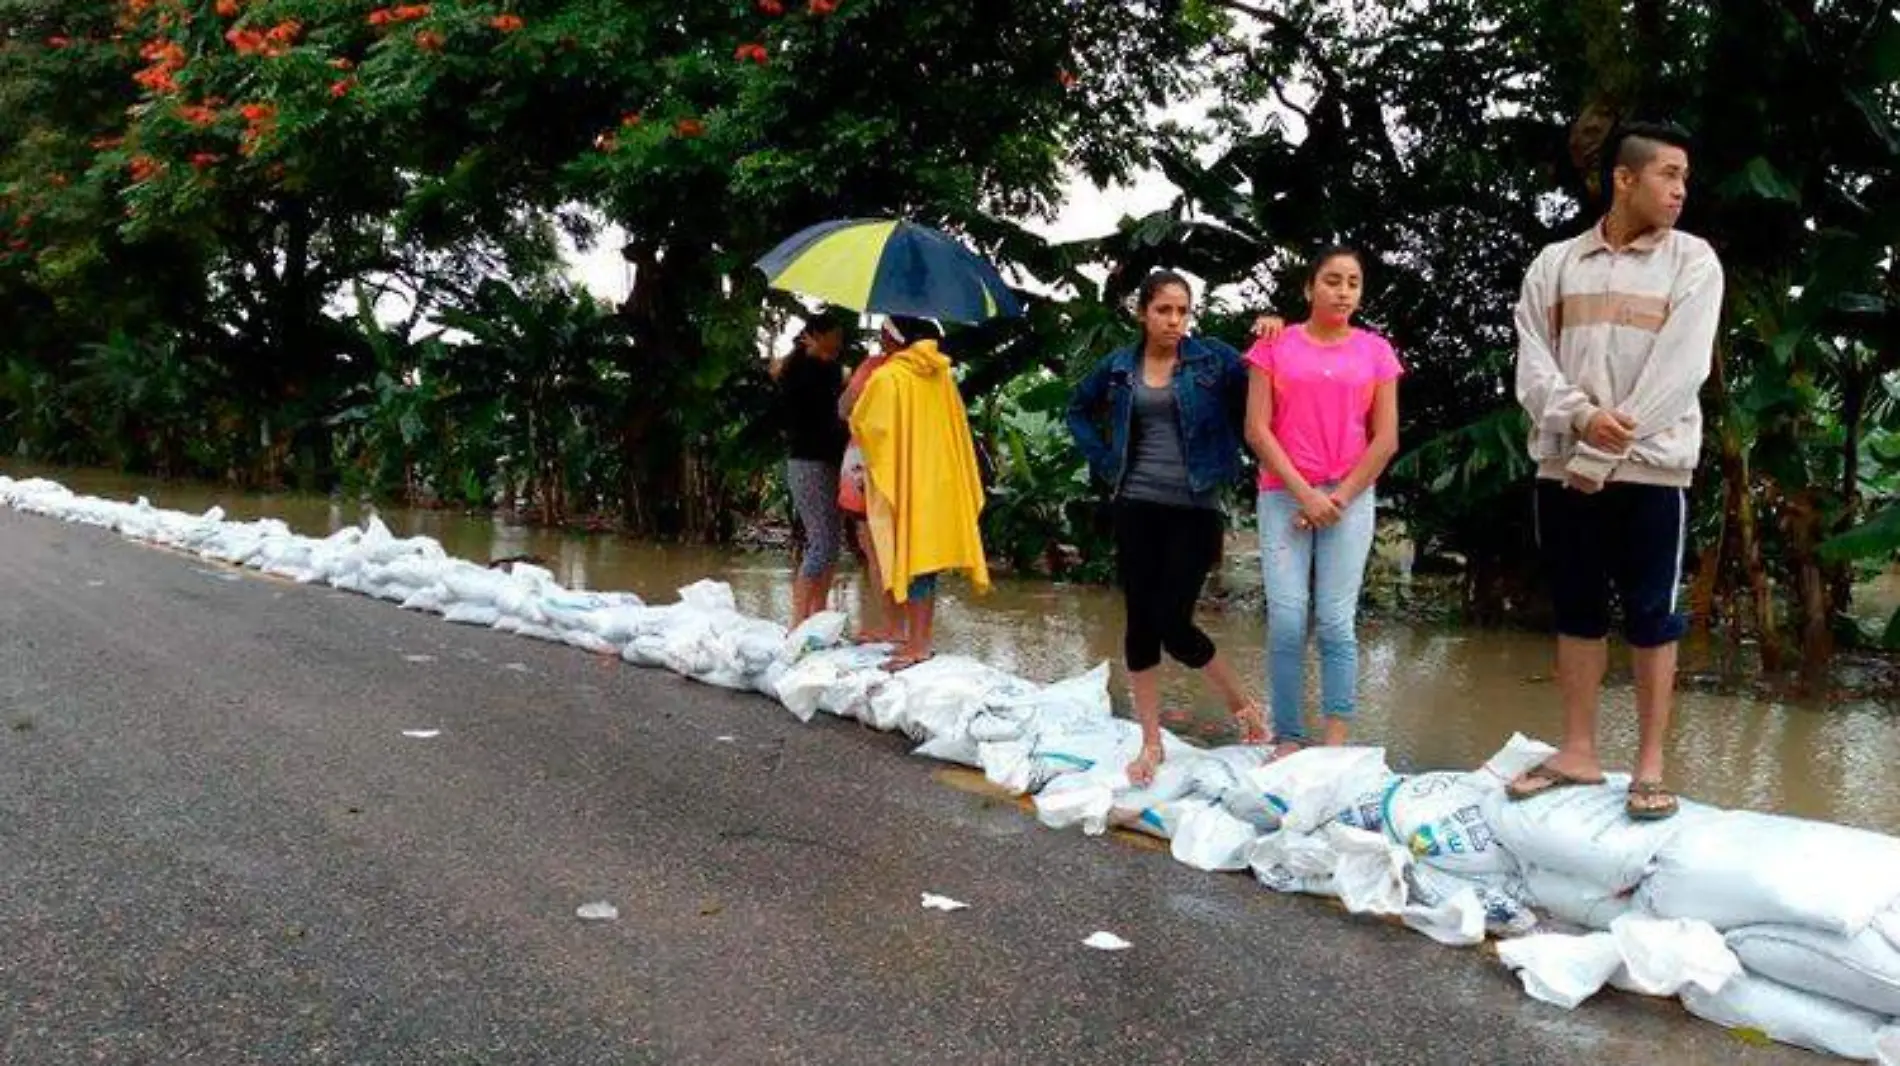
(1322, 399)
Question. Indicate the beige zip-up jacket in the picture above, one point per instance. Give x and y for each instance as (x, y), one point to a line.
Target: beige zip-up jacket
(1630, 331)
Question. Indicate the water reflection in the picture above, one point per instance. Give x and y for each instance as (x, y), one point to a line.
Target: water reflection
(1436, 697)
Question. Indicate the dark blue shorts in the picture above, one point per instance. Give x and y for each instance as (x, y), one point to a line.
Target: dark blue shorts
(1627, 537)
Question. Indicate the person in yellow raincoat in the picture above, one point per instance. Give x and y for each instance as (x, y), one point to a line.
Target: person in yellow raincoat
(923, 489)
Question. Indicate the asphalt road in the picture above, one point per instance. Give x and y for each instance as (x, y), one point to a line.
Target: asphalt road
(217, 846)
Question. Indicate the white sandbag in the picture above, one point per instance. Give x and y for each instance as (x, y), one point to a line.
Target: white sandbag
(1458, 922)
(417, 571)
(822, 630)
(1502, 896)
(1586, 831)
(535, 632)
(804, 686)
(1306, 789)
(1887, 923)
(1562, 970)
(1887, 1046)
(1082, 698)
(939, 697)
(1080, 800)
(711, 596)
(1788, 1015)
(433, 599)
(1517, 757)
(1574, 900)
(475, 585)
(1441, 817)
(1736, 868)
(1663, 956)
(1027, 741)
(1160, 821)
(589, 642)
(1370, 874)
(1070, 746)
(471, 614)
(1295, 863)
(1208, 838)
(1862, 970)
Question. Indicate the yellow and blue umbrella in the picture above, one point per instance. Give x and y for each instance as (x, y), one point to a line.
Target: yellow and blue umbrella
(889, 267)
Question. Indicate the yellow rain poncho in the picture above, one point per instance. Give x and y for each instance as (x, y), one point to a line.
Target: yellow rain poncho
(925, 491)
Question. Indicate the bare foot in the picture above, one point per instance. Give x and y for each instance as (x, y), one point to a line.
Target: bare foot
(1335, 732)
(1253, 725)
(1288, 747)
(1141, 772)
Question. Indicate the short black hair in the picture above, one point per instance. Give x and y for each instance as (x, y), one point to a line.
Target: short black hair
(828, 319)
(916, 329)
(1634, 144)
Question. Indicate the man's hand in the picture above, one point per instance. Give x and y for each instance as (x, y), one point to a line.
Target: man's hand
(1610, 431)
(1579, 483)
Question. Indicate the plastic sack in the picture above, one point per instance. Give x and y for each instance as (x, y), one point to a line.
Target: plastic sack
(817, 633)
(1736, 868)
(1887, 924)
(1457, 922)
(1295, 863)
(804, 686)
(1208, 838)
(714, 597)
(1788, 1015)
(471, 614)
(1574, 900)
(941, 691)
(1887, 1046)
(1441, 817)
(1076, 801)
(1562, 970)
(1585, 831)
(1663, 956)
(1862, 970)
(1370, 873)
(1306, 789)
(1502, 896)
(433, 599)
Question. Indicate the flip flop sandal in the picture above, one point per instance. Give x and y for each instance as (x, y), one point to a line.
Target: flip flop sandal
(900, 663)
(1650, 811)
(1553, 779)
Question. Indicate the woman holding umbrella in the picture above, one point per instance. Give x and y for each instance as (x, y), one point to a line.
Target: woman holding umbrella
(922, 490)
(810, 381)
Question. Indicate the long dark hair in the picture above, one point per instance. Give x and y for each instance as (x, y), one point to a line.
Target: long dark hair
(1150, 288)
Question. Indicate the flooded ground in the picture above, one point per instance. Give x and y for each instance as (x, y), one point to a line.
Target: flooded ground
(1435, 696)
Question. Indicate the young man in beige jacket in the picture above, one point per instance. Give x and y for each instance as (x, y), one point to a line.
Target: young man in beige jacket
(1616, 331)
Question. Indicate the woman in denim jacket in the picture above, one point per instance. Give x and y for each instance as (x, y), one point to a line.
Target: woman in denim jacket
(1172, 407)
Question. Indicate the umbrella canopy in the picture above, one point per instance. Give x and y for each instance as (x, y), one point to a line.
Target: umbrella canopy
(889, 267)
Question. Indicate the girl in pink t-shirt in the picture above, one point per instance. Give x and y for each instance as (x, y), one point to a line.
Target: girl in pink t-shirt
(1323, 418)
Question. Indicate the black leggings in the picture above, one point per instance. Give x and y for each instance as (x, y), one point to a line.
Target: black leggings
(1163, 554)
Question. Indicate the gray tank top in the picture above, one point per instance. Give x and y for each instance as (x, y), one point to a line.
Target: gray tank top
(1157, 463)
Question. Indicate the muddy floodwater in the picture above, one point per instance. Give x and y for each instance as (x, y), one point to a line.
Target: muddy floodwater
(1435, 696)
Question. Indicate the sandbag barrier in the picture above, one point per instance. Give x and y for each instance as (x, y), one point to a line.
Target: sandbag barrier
(1784, 926)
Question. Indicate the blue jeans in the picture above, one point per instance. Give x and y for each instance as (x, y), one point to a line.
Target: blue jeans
(1321, 571)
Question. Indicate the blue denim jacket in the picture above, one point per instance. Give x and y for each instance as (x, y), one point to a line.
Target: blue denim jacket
(1210, 393)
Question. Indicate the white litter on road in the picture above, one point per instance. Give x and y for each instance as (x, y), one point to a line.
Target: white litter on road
(942, 903)
(597, 912)
(418, 658)
(422, 734)
(1783, 925)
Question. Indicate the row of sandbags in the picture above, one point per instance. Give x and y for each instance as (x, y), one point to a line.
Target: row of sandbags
(1780, 925)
